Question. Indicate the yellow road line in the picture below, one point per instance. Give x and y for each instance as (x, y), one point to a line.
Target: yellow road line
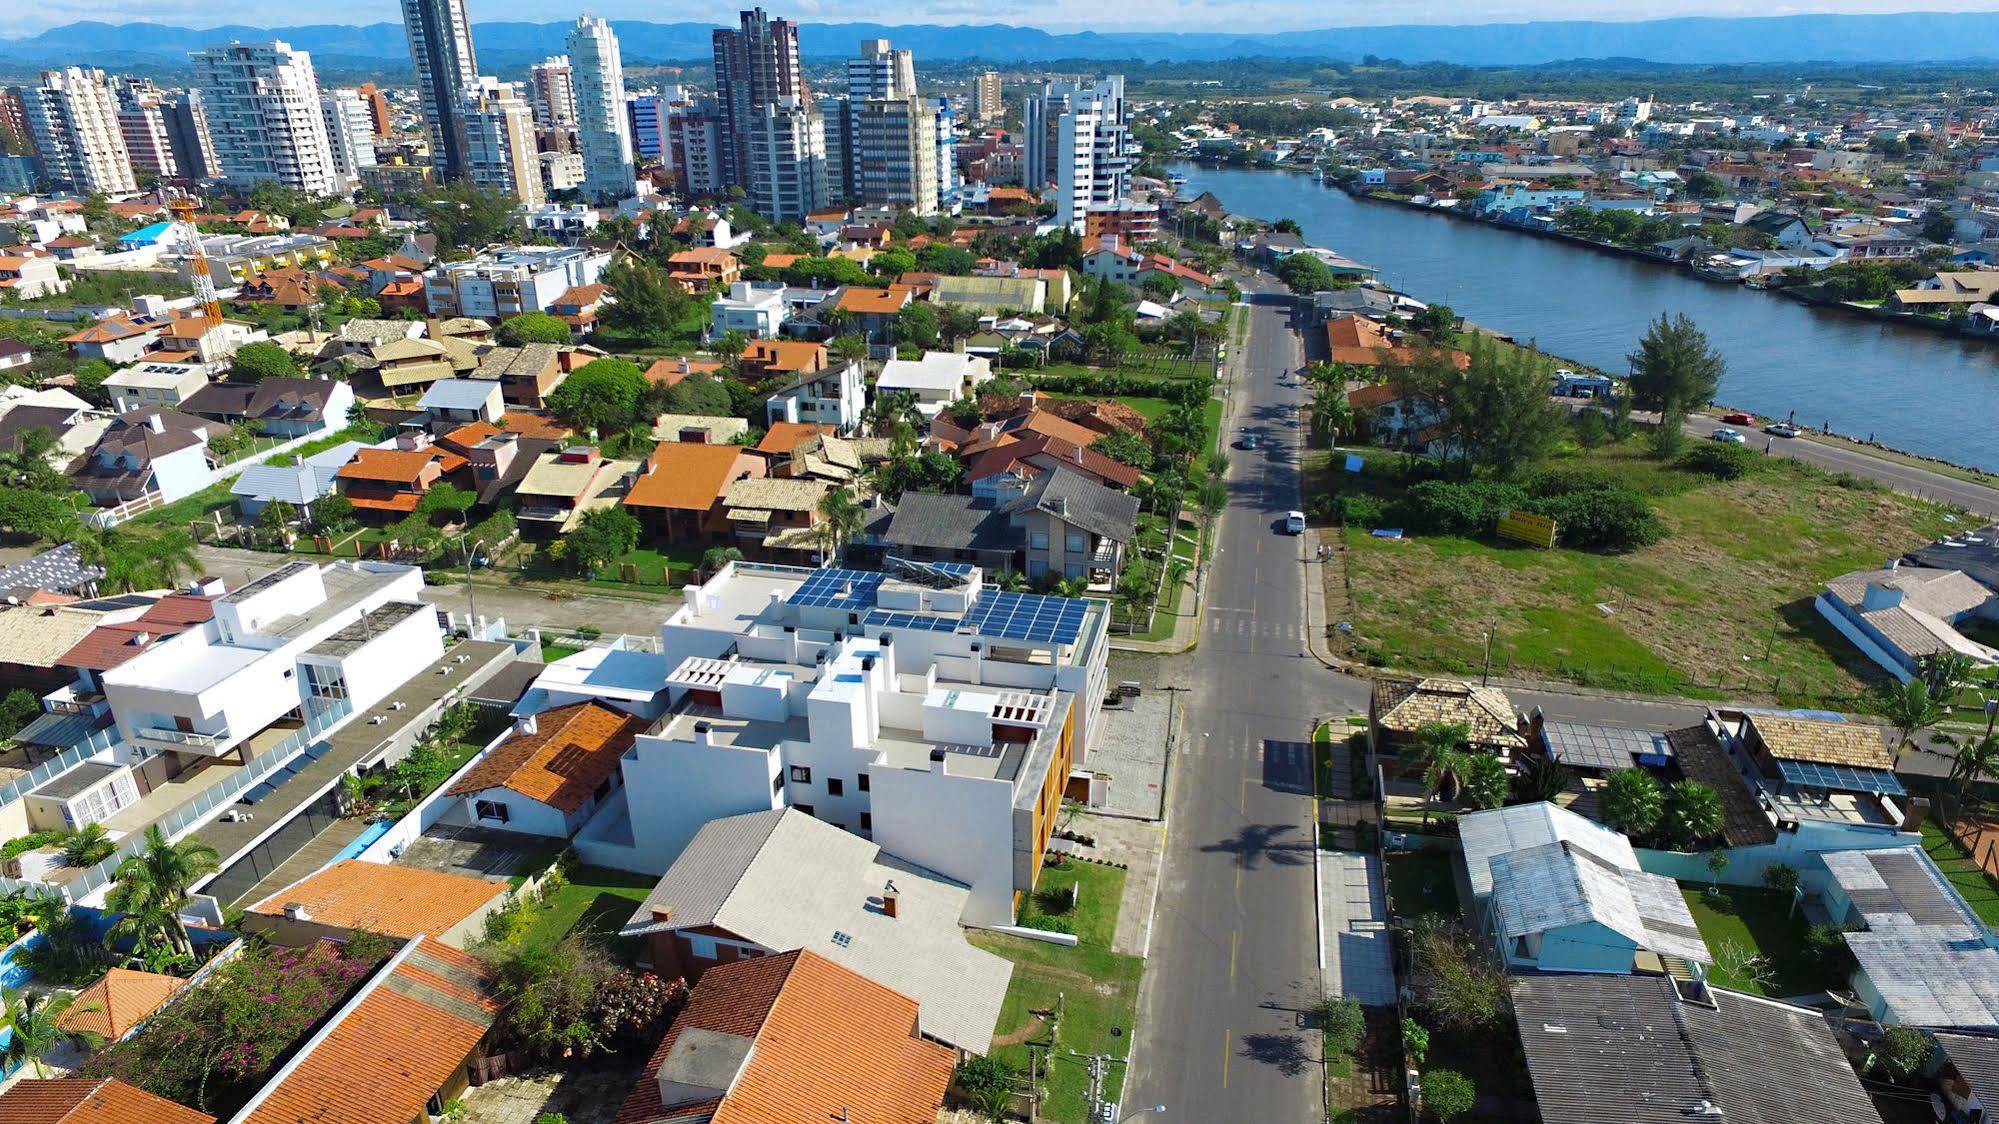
(1225, 1059)
(1233, 938)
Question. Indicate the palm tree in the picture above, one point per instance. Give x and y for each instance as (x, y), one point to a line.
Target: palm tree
(1693, 812)
(1633, 802)
(87, 846)
(28, 463)
(1482, 781)
(1943, 673)
(1438, 754)
(1542, 779)
(1072, 587)
(1911, 709)
(133, 560)
(32, 1017)
(1975, 760)
(842, 517)
(162, 874)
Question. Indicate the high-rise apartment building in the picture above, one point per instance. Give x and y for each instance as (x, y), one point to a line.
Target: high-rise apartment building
(72, 117)
(350, 129)
(988, 101)
(143, 125)
(841, 126)
(696, 139)
(497, 131)
(895, 161)
(787, 160)
(550, 84)
(880, 72)
(380, 117)
(187, 129)
(603, 129)
(756, 66)
(948, 181)
(647, 111)
(440, 38)
(264, 118)
(1077, 139)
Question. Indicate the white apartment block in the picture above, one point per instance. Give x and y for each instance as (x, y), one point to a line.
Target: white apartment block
(895, 160)
(303, 638)
(937, 717)
(551, 86)
(1094, 153)
(694, 147)
(148, 142)
(560, 171)
(603, 125)
(350, 129)
(756, 309)
(787, 160)
(498, 145)
(264, 117)
(988, 98)
(504, 280)
(72, 117)
(880, 72)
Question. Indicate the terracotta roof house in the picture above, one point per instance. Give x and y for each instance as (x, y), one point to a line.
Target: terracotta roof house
(577, 306)
(873, 310)
(993, 434)
(780, 438)
(384, 898)
(1400, 708)
(389, 483)
(676, 495)
(564, 484)
(791, 1037)
(553, 773)
(84, 1100)
(110, 645)
(119, 1001)
(699, 429)
(773, 359)
(1036, 453)
(497, 459)
(406, 1047)
(527, 423)
(704, 267)
(527, 374)
(669, 372)
(287, 287)
(1361, 342)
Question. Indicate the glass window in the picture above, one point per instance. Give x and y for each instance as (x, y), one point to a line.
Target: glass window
(1038, 540)
(861, 782)
(801, 774)
(806, 808)
(835, 786)
(490, 810)
(1076, 543)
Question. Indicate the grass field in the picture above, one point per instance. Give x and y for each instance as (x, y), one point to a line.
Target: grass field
(1094, 988)
(1978, 888)
(1655, 619)
(1749, 921)
(596, 902)
(1421, 882)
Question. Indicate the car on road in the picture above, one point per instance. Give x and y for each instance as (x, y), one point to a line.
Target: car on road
(1782, 429)
(1248, 441)
(1294, 523)
(1730, 436)
(1739, 418)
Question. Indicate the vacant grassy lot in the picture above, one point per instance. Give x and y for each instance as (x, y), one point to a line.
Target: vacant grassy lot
(1750, 922)
(596, 903)
(1721, 606)
(1421, 882)
(1970, 880)
(1093, 988)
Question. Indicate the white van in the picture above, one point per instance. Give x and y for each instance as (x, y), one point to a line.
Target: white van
(1294, 523)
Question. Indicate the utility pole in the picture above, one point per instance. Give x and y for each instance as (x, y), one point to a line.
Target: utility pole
(1485, 676)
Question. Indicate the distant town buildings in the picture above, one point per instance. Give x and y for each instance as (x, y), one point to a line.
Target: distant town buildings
(264, 116)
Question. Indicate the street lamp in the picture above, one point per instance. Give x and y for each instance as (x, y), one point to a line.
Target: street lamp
(471, 594)
(1141, 1112)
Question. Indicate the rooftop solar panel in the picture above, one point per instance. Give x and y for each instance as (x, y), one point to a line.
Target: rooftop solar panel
(838, 589)
(1840, 778)
(911, 622)
(1027, 616)
(1589, 746)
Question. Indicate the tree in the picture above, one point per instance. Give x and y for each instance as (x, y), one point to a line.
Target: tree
(1436, 321)
(1500, 412)
(1331, 413)
(1460, 985)
(917, 324)
(1305, 273)
(1633, 802)
(547, 993)
(1717, 865)
(1160, 285)
(849, 347)
(90, 375)
(30, 462)
(1482, 781)
(603, 535)
(133, 559)
(603, 395)
(1781, 877)
(1938, 226)
(255, 362)
(1674, 370)
(1902, 1053)
(87, 846)
(1286, 226)
(445, 498)
(700, 395)
(1706, 185)
(1448, 1094)
(1692, 813)
(17, 709)
(649, 304)
(1911, 709)
(532, 327)
(840, 517)
(1975, 761)
(32, 1017)
(1438, 755)
(466, 216)
(329, 513)
(1544, 778)
(158, 877)
(1944, 673)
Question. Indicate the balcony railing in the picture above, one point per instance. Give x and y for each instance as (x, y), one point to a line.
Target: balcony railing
(181, 737)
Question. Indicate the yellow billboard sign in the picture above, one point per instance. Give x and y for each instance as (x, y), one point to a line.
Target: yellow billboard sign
(1527, 527)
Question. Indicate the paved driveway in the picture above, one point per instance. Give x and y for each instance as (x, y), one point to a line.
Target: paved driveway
(1353, 924)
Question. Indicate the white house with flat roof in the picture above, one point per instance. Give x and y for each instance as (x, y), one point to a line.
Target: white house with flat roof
(944, 720)
(936, 380)
(296, 638)
(756, 309)
(162, 385)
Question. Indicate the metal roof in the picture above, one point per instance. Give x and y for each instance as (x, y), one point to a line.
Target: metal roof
(1840, 778)
(1588, 746)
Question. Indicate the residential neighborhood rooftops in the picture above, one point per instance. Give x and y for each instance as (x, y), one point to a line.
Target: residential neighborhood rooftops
(1792, 738)
(1564, 883)
(571, 751)
(1405, 706)
(84, 1100)
(396, 901)
(685, 476)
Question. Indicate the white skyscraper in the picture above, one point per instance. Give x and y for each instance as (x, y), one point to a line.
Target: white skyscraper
(72, 117)
(603, 128)
(264, 116)
(787, 160)
(497, 130)
(350, 130)
(440, 38)
(1093, 153)
(880, 72)
(895, 163)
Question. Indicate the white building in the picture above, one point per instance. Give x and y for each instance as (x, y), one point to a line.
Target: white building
(756, 309)
(148, 141)
(504, 280)
(836, 397)
(350, 129)
(787, 160)
(157, 385)
(560, 171)
(894, 160)
(936, 380)
(264, 118)
(988, 98)
(302, 638)
(499, 145)
(1094, 153)
(942, 719)
(72, 117)
(550, 84)
(603, 130)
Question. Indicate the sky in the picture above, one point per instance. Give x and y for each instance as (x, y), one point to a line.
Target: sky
(1055, 15)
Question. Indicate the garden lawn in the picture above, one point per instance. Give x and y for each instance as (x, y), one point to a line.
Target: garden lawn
(652, 565)
(1421, 882)
(1753, 921)
(595, 902)
(1970, 880)
(1097, 989)
(1779, 533)
(1093, 919)
(551, 651)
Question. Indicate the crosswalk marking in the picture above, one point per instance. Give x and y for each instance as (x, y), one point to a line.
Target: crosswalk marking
(1278, 630)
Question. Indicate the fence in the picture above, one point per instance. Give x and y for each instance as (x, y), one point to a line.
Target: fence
(61, 763)
(112, 516)
(317, 725)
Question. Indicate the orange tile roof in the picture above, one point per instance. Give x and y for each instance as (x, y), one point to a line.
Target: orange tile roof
(780, 261)
(704, 255)
(78, 1100)
(828, 1041)
(368, 499)
(395, 901)
(671, 371)
(891, 299)
(686, 475)
(573, 749)
(462, 439)
(534, 425)
(395, 1050)
(782, 437)
(397, 466)
(118, 1001)
(786, 355)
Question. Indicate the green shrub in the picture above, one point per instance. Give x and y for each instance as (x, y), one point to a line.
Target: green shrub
(1343, 1023)
(1826, 944)
(1902, 1053)
(1445, 507)
(1781, 877)
(1415, 1040)
(1720, 460)
(1448, 1094)
(1611, 520)
(1363, 511)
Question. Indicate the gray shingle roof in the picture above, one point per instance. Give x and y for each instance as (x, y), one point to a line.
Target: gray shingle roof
(59, 569)
(1631, 1049)
(1082, 502)
(949, 522)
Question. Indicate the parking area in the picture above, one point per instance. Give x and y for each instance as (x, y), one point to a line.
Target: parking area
(478, 852)
(1131, 748)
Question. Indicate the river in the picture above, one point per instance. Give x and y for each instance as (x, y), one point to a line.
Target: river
(1914, 390)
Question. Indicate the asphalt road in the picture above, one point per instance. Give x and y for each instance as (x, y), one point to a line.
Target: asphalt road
(1837, 457)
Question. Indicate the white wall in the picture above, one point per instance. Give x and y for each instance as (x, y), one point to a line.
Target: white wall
(524, 815)
(961, 827)
(391, 658)
(672, 788)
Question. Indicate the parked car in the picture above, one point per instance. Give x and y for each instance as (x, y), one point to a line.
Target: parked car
(1782, 429)
(1739, 418)
(1731, 436)
(1294, 523)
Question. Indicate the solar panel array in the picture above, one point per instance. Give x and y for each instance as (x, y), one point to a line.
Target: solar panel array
(910, 622)
(838, 589)
(1841, 778)
(1602, 747)
(1027, 616)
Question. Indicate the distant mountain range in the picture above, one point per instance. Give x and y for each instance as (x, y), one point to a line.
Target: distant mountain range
(1896, 38)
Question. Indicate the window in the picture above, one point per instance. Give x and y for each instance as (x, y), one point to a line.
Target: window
(776, 785)
(1075, 543)
(835, 786)
(861, 782)
(806, 808)
(801, 774)
(867, 821)
(1038, 540)
(490, 810)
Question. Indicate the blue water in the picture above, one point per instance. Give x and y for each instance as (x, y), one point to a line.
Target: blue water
(362, 841)
(1916, 390)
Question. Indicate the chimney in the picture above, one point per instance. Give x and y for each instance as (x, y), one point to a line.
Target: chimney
(791, 643)
(691, 594)
(978, 664)
(662, 913)
(888, 658)
(528, 724)
(295, 911)
(1880, 595)
(703, 734)
(889, 896)
(157, 422)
